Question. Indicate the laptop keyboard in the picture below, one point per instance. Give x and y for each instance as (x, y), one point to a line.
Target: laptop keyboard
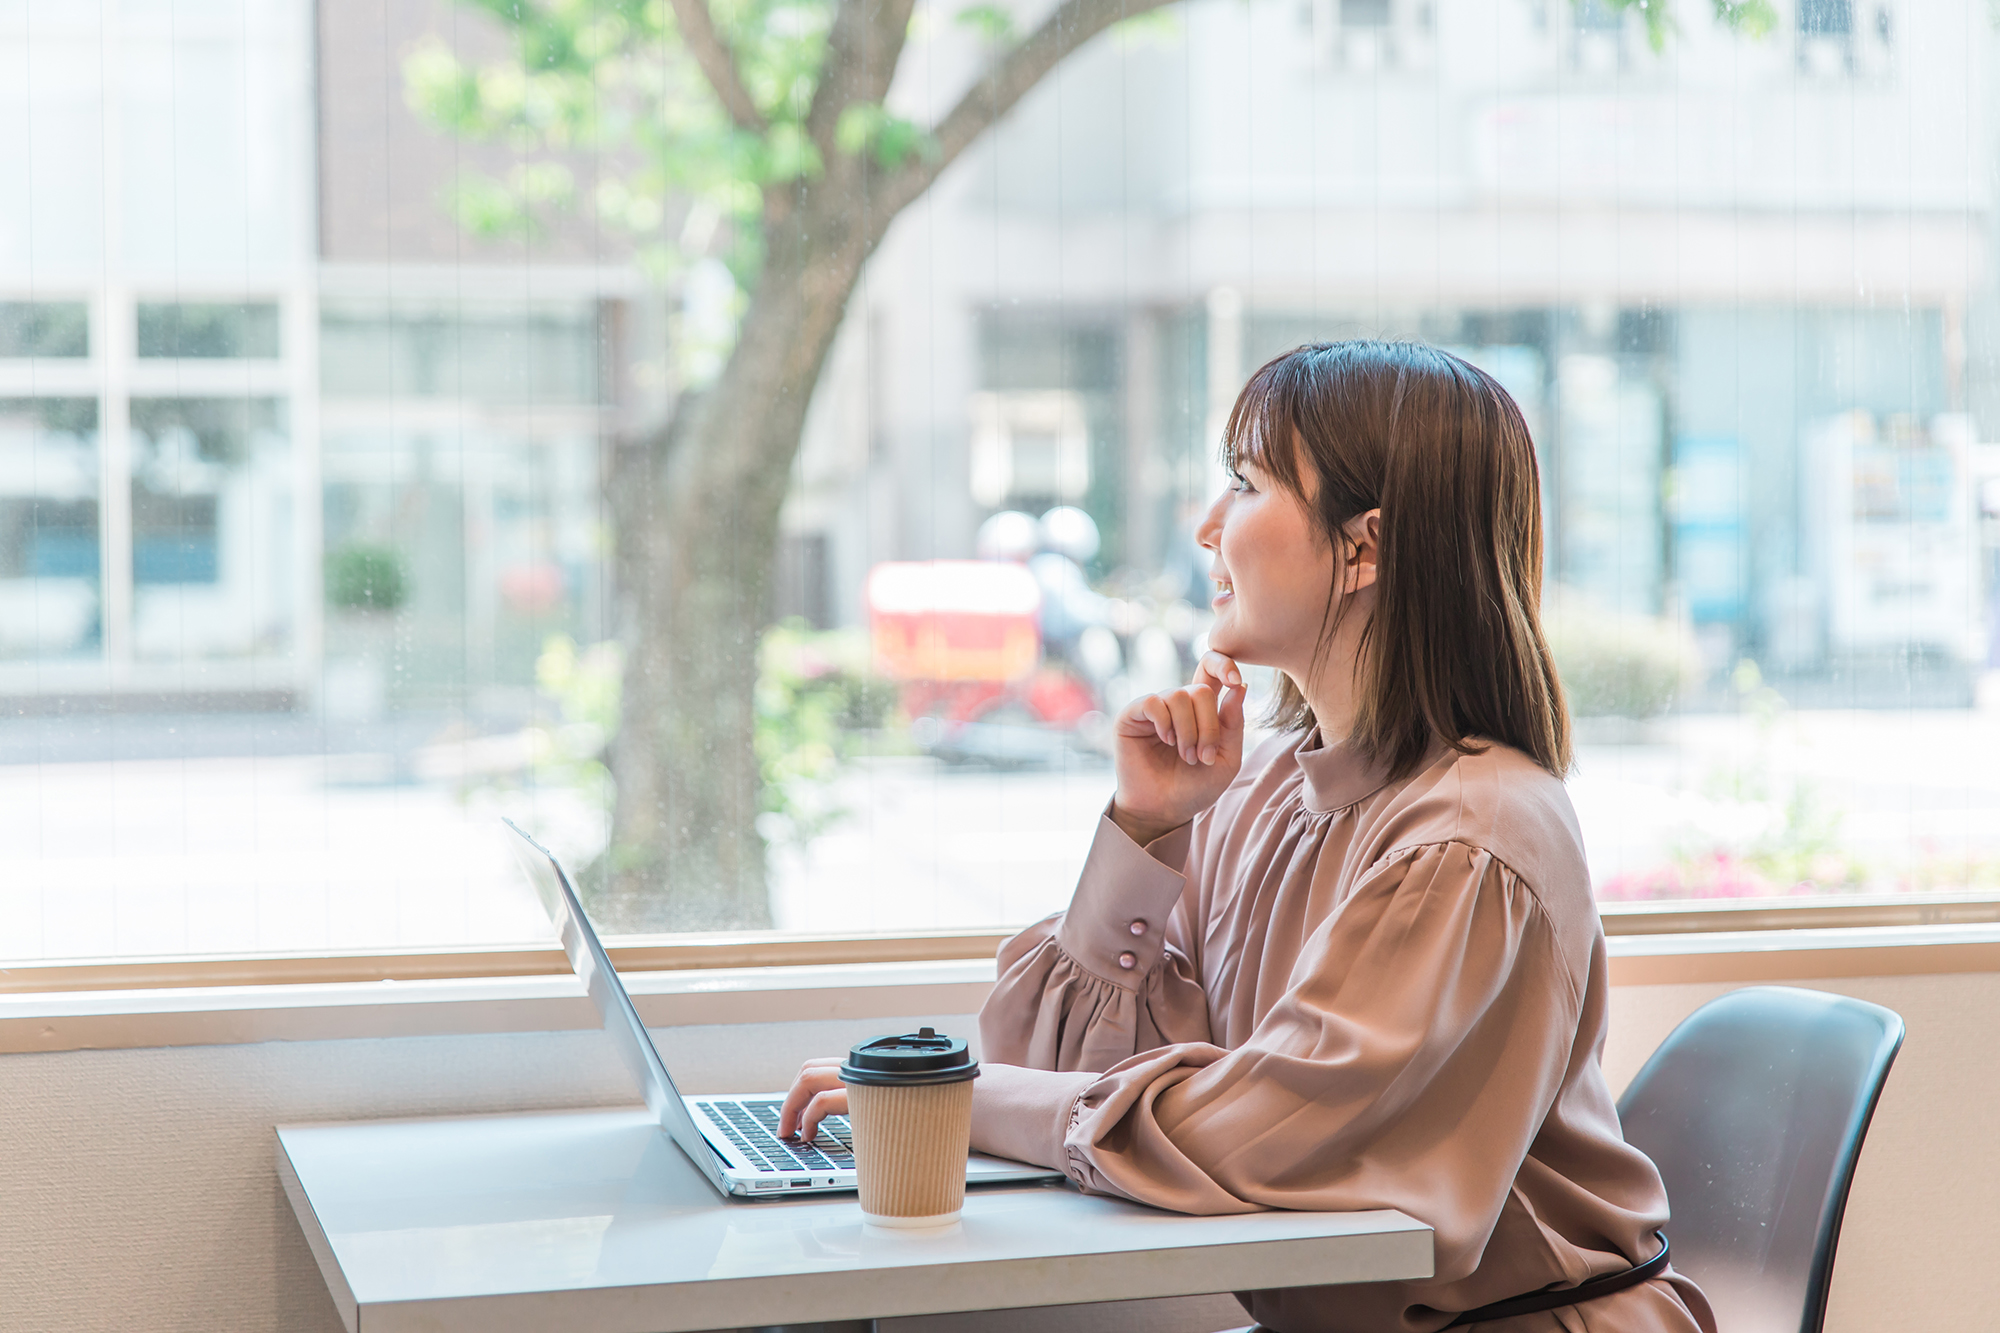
(752, 1129)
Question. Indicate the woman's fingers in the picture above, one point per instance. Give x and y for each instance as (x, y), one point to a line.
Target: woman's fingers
(1187, 721)
(1230, 713)
(1219, 671)
(815, 1077)
(1187, 725)
(1208, 745)
(1195, 721)
(831, 1102)
(1161, 714)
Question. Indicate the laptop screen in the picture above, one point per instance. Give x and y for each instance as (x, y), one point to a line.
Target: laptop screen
(614, 1005)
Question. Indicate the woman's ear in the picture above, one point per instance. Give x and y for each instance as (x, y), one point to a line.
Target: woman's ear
(1363, 533)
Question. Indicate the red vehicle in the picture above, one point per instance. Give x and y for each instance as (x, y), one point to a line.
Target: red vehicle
(963, 639)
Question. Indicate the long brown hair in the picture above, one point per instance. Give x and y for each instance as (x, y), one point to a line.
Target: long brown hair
(1454, 650)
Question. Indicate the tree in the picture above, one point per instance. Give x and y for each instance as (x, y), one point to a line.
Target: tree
(760, 127)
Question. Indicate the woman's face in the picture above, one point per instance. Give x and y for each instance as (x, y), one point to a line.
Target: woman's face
(1272, 573)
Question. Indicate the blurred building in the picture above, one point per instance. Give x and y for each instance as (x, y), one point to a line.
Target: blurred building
(273, 429)
(1699, 270)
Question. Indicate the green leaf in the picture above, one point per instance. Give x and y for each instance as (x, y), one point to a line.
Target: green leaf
(442, 91)
(1752, 18)
(866, 127)
(510, 207)
(1660, 23)
(486, 207)
(858, 125)
(992, 22)
(789, 153)
(1155, 25)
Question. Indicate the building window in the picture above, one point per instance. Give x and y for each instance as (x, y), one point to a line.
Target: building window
(1842, 38)
(44, 329)
(51, 595)
(1361, 36)
(1826, 18)
(1599, 38)
(211, 527)
(208, 330)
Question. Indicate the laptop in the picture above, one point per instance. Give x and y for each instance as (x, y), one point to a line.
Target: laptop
(732, 1139)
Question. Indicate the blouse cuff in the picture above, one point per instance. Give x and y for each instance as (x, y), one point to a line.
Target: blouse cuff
(1117, 922)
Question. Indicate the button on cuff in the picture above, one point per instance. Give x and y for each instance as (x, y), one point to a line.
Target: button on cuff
(1122, 901)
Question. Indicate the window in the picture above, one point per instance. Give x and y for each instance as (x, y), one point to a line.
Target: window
(1365, 36)
(373, 462)
(44, 328)
(1842, 38)
(50, 585)
(208, 329)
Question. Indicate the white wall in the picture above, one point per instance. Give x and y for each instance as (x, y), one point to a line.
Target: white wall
(138, 1190)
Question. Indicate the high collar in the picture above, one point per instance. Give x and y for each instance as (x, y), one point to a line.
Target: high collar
(1336, 776)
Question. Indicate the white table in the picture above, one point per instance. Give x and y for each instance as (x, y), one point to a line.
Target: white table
(593, 1222)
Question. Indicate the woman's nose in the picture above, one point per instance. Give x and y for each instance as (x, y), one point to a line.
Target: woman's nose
(1209, 531)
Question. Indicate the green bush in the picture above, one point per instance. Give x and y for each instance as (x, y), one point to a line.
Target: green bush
(816, 695)
(1614, 664)
(365, 578)
(815, 689)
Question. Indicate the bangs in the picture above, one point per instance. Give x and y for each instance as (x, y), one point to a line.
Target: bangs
(1263, 426)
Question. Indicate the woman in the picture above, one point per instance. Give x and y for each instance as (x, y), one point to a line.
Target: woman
(1362, 969)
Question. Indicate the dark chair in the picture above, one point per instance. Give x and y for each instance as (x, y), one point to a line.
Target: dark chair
(1754, 1108)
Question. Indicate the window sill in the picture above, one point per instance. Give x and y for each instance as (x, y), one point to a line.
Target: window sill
(1744, 957)
(762, 951)
(323, 1011)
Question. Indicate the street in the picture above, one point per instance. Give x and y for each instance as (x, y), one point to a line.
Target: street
(160, 856)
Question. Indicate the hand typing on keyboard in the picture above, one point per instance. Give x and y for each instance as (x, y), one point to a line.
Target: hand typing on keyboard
(816, 1094)
(750, 1128)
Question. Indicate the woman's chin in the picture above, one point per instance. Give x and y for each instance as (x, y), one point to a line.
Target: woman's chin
(1233, 648)
(1244, 651)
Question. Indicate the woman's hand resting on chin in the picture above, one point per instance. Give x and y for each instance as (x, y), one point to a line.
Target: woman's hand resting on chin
(1174, 753)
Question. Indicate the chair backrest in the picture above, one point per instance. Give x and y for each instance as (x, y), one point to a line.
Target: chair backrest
(1754, 1109)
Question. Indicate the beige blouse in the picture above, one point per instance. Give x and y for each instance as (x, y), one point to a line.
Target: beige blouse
(1334, 992)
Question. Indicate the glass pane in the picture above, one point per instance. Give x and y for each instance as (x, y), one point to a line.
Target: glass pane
(484, 355)
(51, 590)
(211, 528)
(451, 562)
(211, 330)
(44, 328)
(509, 517)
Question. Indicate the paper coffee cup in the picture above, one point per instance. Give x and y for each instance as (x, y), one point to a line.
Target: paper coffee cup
(909, 1103)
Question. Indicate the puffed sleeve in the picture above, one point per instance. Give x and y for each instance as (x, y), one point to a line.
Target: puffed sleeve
(1425, 1037)
(1109, 978)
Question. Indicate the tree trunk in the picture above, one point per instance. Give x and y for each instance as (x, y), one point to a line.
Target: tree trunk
(697, 506)
(697, 512)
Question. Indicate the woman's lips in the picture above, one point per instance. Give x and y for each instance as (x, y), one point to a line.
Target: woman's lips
(1224, 591)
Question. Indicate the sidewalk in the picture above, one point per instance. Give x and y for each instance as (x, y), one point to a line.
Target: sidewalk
(154, 855)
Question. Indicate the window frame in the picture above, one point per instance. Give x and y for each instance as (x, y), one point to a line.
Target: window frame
(683, 953)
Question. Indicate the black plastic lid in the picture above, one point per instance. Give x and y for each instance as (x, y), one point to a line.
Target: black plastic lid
(910, 1060)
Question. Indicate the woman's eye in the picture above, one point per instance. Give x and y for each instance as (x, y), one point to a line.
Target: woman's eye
(1239, 482)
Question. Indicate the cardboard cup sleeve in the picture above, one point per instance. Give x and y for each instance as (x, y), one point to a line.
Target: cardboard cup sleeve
(910, 1146)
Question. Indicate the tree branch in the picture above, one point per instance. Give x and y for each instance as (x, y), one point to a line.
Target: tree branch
(1073, 23)
(862, 52)
(718, 63)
